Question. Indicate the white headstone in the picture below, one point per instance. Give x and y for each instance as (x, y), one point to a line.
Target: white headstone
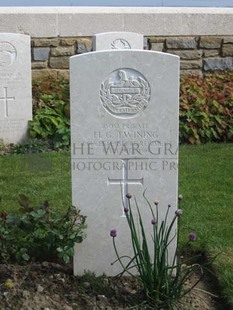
(124, 129)
(15, 86)
(117, 40)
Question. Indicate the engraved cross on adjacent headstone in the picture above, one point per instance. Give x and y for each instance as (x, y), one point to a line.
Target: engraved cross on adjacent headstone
(124, 182)
(5, 100)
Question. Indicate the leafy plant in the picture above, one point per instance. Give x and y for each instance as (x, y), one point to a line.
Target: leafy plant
(206, 108)
(162, 281)
(31, 146)
(39, 233)
(51, 112)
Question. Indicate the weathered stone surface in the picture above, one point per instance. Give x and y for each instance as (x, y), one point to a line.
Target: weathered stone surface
(189, 54)
(181, 43)
(68, 41)
(227, 50)
(228, 39)
(63, 73)
(40, 53)
(192, 64)
(210, 42)
(156, 39)
(146, 45)
(43, 74)
(84, 46)
(210, 53)
(195, 72)
(39, 65)
(218, 63)
(63, 51)
(59, 62)
(46, 42)
(157, 47)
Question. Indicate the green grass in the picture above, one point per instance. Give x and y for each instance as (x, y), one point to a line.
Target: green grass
(52, 184)
(205, 181)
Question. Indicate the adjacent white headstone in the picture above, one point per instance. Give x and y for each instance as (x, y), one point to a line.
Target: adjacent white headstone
(15, 86)
(124, 129)
(117, 41)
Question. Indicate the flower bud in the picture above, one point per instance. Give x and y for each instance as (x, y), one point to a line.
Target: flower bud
(180, 197)
(179, 212)
(154, 221)
(192, 236)
(129, 196)
(113, 233)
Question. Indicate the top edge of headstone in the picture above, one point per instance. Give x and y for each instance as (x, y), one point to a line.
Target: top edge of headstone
(124, 51)
(14, 34)
(117, 32)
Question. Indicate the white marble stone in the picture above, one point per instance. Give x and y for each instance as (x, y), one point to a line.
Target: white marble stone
(124, 131)
(15, 86)
(117, 40)
(86, 21)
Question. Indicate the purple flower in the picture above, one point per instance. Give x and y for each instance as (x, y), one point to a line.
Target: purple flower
(192, 236)
(129, 196)
(179, 212)
(126, 210)
(154, 221)
(156, 202)
(113, 233)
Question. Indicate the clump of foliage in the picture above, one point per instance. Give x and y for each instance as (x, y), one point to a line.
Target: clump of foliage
(206, 108)
(39, 233)
(163, 280)
(32, 146)
(51, 113)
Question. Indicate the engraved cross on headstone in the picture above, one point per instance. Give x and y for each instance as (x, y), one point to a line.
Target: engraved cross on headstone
(124, 182)
(5, 101)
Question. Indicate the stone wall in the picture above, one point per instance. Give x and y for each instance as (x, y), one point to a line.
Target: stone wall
(198, 54)
(50, 56)
(202, 37)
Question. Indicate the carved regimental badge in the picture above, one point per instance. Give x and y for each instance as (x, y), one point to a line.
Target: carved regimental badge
(8, 54)
(120, 44)
(125, 93)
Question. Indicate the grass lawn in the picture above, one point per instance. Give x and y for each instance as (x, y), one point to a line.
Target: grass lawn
(205, 181)
(40, 177)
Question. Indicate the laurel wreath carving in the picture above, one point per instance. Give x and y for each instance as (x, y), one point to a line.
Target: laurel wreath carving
(129, 100)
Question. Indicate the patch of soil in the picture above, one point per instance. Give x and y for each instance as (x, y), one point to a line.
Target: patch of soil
(50, 286)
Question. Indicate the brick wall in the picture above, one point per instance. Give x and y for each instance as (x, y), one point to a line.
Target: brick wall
(198, 54)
